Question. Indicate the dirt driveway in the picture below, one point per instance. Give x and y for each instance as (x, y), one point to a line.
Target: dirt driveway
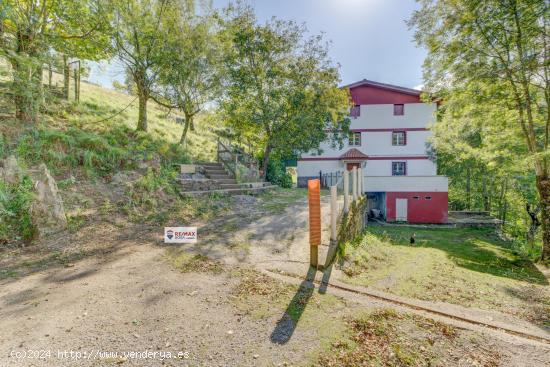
(129, 298)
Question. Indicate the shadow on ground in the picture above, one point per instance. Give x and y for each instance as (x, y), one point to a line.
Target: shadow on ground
(289, 320)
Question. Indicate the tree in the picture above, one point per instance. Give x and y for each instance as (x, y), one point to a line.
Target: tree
(281, 88)
(84, 33)
(139, 34)
(29, 28)
(499, 50)
(189, 73)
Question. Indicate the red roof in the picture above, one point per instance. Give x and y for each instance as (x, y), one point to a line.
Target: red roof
(353, 154)
(391, 87)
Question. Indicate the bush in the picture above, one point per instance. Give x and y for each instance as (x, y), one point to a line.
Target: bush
(276, 172)
(15, 220)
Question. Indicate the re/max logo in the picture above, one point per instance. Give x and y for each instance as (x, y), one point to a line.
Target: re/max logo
(180, 234)
(185, 234)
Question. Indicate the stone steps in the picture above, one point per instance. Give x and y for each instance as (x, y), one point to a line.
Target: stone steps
(219, 181)
(240, 191)
(215, 171)
(211, 165)
(244, 185)
(225, 181)
(218, 176)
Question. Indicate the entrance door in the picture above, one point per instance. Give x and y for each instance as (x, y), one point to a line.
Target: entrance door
(349, 166)
(401, 210)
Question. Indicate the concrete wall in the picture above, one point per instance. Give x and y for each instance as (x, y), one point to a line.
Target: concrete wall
(405, 184)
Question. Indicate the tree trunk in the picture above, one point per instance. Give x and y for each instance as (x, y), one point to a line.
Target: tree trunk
(265, 161)
(534, 224)
(188, 122)
(38, 88)
(543, 187)
(50, 74)
(501, 199)
(76, 95)
(486, 205)
(468, 189)
(66, 77)
(26, 83)
(142, 117)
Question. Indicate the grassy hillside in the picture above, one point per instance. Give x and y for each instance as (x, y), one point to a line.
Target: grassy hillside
(91, 147)
(101, 110)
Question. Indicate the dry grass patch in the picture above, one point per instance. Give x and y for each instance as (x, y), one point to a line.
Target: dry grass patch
(387, 338)
(192, 263)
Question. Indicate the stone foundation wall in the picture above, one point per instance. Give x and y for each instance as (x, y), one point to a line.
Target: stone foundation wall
(199, 184)
(351, 224)
(302, 181)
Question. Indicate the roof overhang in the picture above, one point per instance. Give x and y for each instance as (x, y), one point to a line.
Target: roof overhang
(395, 88)
(353, 155)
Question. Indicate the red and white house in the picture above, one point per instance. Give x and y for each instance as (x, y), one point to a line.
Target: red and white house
(389, 132)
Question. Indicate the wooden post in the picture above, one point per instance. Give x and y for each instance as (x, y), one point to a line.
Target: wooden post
(354, 182)
(78, 88)
(359, 182)
(346, 191)
(333, 212)
(75, 84)
(314, 198)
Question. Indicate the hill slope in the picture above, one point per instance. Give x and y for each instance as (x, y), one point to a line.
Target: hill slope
(92, 146)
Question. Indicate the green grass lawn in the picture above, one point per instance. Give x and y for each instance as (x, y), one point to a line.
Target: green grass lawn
(469, 267)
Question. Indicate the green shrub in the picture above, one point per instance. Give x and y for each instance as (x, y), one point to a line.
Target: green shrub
(15, 220)
(276, 171)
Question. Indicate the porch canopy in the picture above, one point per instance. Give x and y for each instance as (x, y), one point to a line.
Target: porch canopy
(353, 155)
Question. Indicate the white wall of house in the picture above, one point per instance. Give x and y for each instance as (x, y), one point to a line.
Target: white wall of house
(405, 184)
(380, 116)
(415, 167)
(417, 115)
(379, 143)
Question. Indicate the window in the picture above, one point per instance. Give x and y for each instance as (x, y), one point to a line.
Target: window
(398, 168)
(416, 197)
(355, 139)
(355, 111)
(399, 138)
(428, 198)
(398, 109)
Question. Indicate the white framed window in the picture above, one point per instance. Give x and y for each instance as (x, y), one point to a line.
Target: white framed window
(398, 109)
(399, 138)
(398, 168)
(354, 139)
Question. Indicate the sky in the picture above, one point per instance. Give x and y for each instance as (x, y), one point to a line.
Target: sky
(369, 38)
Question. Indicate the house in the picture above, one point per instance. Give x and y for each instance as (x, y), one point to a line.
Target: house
(388, 140)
